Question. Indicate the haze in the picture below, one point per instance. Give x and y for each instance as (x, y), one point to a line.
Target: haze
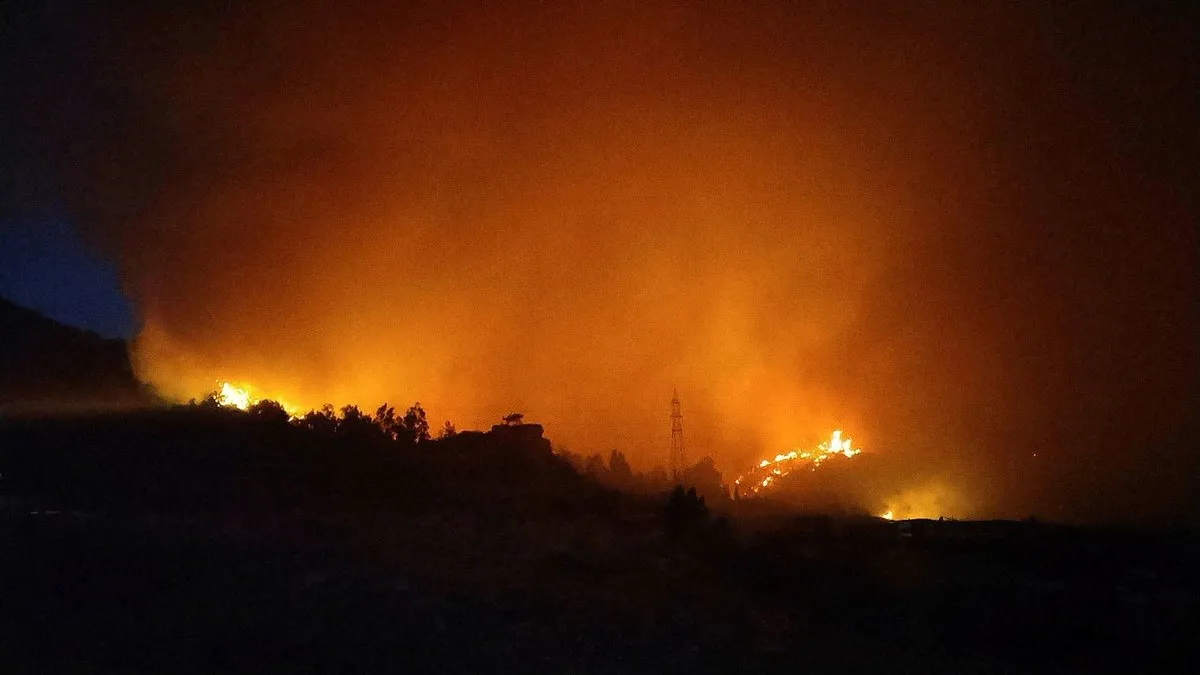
(962, 235)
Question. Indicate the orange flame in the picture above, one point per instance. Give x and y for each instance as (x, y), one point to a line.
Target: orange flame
(233, 396)
(784, 463)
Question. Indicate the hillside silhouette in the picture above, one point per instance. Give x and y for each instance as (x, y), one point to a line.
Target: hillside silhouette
(201, 537)
(46, 366)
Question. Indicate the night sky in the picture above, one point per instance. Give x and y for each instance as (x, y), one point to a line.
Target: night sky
(45, 266)
(963, 232)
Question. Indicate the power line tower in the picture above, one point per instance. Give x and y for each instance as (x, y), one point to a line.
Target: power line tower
(677, 461)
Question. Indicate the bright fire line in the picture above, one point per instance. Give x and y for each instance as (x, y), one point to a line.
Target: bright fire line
(783, 464)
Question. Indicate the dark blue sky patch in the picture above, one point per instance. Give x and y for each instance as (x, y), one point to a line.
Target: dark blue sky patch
(45, 266)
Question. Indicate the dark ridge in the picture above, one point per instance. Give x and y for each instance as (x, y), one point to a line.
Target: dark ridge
(207, 460)
(47, 367)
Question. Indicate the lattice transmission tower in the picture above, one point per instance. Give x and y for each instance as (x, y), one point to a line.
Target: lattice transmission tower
(677, 460)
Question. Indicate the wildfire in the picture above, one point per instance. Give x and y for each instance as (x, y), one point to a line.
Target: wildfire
(233, 396)
(934, 499)
(783, 464)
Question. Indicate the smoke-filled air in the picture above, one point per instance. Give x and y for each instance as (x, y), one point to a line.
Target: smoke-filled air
(898, 223)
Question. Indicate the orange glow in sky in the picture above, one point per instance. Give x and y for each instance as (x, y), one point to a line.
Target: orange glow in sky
(801, 216)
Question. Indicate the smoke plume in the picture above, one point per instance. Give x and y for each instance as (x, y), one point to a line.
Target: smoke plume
(957, 234)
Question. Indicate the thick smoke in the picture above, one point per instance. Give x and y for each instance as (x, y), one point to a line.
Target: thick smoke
(956, 235)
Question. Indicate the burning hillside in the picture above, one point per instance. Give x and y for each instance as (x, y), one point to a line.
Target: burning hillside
(867, 485)
(769, 471)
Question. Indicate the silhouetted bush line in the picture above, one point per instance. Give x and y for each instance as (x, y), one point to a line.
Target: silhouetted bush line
(349, 422)
(703, 477)
(300, 530)
(412, 428)
(206, 458)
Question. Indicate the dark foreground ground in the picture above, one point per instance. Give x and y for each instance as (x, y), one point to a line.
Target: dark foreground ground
(547, 575)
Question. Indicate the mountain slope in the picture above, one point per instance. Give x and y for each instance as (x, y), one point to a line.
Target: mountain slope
(46, 366)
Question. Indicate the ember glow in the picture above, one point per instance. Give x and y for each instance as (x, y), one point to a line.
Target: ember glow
(932, 500)
(769, 471)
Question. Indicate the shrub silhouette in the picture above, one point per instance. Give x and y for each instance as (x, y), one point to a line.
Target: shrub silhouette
(684, 510)
(323, 421)
(268, 411)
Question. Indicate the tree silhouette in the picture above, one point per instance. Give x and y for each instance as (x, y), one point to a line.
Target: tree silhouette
(683, 510)
(656, 480)
(513, 419)
(576, 461)
(211, 401)
(323, 421)
(448, 430)
(354, 423)
(705, 477)
(620, 473)
(385, 419)
(415, 428)
(594, 466)
(268, 411)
